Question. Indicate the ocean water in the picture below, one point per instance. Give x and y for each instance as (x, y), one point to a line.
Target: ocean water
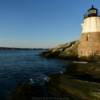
(17, 66)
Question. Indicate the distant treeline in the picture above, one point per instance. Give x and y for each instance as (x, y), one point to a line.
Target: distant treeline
(11, 48)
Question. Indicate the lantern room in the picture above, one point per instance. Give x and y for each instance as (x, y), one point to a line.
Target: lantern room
(91, 12)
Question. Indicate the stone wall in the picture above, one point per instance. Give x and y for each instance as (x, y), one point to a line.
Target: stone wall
(89, 44)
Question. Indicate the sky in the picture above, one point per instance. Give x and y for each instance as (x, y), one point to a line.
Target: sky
(41, 23)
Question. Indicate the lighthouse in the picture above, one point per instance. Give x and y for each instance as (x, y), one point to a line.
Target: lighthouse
(89, 43)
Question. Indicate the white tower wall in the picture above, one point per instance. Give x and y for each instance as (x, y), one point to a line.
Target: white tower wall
(91, 24)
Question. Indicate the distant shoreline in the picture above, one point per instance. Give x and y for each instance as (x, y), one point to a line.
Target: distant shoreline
(13, 48)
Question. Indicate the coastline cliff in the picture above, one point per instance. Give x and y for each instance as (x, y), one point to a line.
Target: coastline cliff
(68, 50)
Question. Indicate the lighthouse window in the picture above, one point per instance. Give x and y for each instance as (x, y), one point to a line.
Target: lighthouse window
(87, 38)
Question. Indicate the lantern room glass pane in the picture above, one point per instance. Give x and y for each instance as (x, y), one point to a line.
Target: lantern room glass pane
(92, 12)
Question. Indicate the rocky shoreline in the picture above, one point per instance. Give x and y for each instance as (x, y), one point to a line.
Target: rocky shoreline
(68, 50)
(79, 81)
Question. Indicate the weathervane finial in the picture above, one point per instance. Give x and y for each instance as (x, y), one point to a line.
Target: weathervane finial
(92, 3)
(92, 6)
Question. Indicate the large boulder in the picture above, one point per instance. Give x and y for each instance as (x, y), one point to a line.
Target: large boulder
(88, 71)
(70, 51)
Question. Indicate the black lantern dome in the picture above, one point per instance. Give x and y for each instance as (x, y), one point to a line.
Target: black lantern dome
(91, 12)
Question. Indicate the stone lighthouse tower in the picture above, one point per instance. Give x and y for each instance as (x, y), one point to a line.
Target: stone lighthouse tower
(89, 44)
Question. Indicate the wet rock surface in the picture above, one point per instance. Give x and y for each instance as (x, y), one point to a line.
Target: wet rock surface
(89, 71)
(80, 81)
(76, 89)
